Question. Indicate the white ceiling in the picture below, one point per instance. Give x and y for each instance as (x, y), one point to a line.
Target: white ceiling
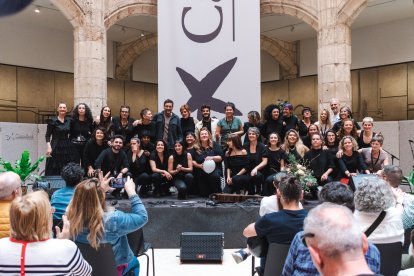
(276, 26)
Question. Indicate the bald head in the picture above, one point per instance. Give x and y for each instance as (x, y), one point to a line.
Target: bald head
(9, 185)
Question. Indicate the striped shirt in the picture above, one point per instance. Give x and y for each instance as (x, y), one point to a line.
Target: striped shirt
(49, 257)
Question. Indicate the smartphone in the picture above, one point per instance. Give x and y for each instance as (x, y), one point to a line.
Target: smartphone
(118, 183)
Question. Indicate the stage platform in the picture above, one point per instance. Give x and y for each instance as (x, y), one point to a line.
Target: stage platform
(169, 217)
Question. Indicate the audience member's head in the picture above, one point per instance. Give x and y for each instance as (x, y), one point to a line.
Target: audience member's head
(10, 186)
(31, 217)
(278, 178)
(73, 174)
(373, 195)
(335, 240)
(289, 190)
(393, 175)
(337, 193)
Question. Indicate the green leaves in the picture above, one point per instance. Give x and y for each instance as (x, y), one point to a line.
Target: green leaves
(23, 167)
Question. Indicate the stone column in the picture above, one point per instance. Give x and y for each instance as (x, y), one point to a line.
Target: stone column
(90, 65)
(334, 57)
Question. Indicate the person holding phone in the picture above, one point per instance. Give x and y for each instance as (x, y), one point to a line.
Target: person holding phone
(113, 161)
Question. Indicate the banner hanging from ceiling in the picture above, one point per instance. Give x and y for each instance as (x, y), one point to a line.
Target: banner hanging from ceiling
(209, 53)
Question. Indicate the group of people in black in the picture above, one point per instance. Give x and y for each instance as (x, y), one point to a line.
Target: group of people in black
(164, 150)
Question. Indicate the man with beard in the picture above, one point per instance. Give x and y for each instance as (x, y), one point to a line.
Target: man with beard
(167, 125)
(207, 121)
(113, 160)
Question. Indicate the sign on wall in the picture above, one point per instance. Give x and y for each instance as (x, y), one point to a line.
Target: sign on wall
(209, 53)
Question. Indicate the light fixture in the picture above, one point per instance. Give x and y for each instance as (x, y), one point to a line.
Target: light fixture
(37, 10)
(142, 34)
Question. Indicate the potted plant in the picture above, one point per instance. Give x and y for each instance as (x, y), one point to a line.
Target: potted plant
(23, 167)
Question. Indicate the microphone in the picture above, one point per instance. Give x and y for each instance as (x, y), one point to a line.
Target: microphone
(411, 141)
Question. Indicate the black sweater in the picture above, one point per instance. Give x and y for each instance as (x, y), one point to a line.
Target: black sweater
(319, 161)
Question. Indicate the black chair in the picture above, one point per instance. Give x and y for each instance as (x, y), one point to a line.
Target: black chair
(140, 247)
(390, 258)
(275, 259)
(101, 260)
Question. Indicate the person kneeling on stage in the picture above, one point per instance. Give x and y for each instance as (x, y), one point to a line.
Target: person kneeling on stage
(180, 166)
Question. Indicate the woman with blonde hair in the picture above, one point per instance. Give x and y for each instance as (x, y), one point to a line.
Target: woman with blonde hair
(324, 122)
(294, 145)
(351, 162)
(30, 250)
(94, 223)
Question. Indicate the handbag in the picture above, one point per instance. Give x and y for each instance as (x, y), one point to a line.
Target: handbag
(258, 246)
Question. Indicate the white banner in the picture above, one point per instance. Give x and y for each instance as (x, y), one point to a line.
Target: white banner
(209, 53)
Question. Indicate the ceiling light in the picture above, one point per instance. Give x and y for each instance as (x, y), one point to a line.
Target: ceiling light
(37, 10)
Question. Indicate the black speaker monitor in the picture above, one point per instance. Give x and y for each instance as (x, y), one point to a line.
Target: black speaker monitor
(201, 247)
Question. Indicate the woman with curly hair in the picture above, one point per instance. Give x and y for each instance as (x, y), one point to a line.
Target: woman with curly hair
(372, 196)
(81, 129)
(348, 128)
(92, 222)
(272, 121)
(344, 113)
(293, 145)
(351, 162)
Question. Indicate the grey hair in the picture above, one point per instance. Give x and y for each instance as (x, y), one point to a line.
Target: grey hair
(9, 182)
(335, 228)
(373, 195)
(255, 130)
(393, 174)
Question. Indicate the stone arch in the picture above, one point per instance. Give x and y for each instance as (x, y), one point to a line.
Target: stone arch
(130, 54)
(119, 10)
(350, 11)
(292, 8)
(72, 11)
(279, 54)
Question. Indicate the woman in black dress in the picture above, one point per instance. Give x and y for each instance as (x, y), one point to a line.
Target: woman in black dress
(139, 166)
(272, 121)
(82, 127)
(366, 135)
(344, 113)
(93, 148)
(331, 145)
(312, 129)
(253, 121)
(187, 122)
(59, 148)
(206, 149)
(161, 178)
(105, 121)
(276, 162)
(348, 128)
(293, 145)
(237, 164)
(351, 162)
(123, 125)
(257, 155)
(180, 166)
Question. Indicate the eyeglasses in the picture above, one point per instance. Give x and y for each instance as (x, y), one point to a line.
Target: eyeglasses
(306, 235)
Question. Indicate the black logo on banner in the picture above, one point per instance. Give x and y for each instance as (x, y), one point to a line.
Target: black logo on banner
(202, 91)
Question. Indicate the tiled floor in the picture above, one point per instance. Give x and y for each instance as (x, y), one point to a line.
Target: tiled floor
(167, 263)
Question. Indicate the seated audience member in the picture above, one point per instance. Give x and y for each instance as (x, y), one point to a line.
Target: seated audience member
(337, 246)
(289, 120)
(351, 162)
(394, 176)
(276, 162)
(366, 135)
(207, 121)
(293, 145)
(307, 140)
(253, 121)
(30, 250)
(407, 261)
(324, 124)
(319, 160)
(303, 125)
(10, 188)
(348, 128)
(272, 122)
(372, 196)
(138, 164)
(144, 124)
(92, 222)
(146, 143)
(299, 262)
(113, 161)
(282, 226)
(187, 122)
(93, 148)
(72, 174)
(123, 125)
(160, 176)
(206, 149)
(237, 164)
(375, 157)
(257, 155)
(344, 113)
(180, 166)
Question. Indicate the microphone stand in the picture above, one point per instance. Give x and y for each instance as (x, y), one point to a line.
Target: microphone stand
(392, 156)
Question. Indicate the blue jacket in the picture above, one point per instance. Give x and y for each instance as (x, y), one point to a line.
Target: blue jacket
(60, 201)
(117, 225)
(174, 128)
